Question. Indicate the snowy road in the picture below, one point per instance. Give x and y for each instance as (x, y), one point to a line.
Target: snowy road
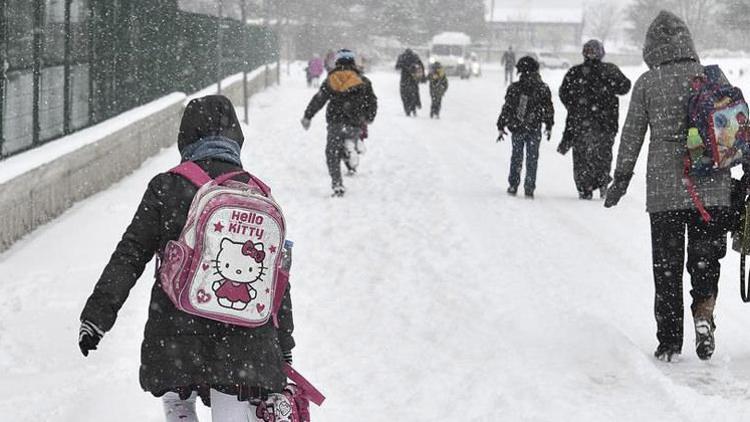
(427, 293)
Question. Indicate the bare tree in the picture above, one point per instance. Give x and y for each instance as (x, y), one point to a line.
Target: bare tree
(602, 19)
(700, 17)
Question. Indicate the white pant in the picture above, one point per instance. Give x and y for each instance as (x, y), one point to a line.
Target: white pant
(224, 408)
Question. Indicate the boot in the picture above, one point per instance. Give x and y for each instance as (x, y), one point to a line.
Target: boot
(703, 317)
(667, 353)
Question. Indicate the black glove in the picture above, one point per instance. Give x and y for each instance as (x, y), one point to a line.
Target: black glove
(501, 136)
(617, 189)
(548, 132)
(89, 336)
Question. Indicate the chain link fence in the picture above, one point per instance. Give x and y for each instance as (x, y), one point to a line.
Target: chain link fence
(68, 64)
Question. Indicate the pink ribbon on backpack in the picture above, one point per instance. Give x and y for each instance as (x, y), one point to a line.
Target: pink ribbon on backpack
(248, 249)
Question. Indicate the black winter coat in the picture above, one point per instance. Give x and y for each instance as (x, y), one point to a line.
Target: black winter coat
(537, 111)
(351, 100)
(411, 67)
(438, 82)
(589, 92)
(181, 352)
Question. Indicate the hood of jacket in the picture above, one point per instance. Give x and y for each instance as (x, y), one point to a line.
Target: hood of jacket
(342, 80)
(206, 117)
(668, 40)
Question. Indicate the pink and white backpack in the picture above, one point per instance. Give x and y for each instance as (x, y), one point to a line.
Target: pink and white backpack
(226, 264)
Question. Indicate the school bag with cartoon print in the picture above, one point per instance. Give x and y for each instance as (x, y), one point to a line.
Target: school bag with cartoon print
(718, 129)
(718, 115)
(226, 264)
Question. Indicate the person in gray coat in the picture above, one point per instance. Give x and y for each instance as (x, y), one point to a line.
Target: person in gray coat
(659, 103)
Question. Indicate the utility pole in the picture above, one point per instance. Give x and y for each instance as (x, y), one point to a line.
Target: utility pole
(490, 30)
(218, 48)
(266, 43)
(4, 69)
(66, 70)
(243, 9)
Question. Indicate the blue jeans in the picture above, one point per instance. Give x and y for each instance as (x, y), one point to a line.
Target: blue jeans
(531, 140)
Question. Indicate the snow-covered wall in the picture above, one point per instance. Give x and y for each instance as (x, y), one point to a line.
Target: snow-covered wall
(40, 184)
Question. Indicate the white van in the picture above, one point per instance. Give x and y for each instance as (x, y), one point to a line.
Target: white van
(451, 49)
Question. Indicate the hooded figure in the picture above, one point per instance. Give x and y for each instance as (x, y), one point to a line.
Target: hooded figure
(412, 74)
(181, 353)
(659, 104)
(589, 92)
(528, 105)
(352, 105)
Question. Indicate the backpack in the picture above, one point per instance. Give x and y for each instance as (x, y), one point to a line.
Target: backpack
(718, 129)
(523, 109)
(226, 264)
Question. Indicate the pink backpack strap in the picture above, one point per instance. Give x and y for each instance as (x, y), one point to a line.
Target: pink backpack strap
(306, 389)
(226, 176)
(192, 172)
(262, 186)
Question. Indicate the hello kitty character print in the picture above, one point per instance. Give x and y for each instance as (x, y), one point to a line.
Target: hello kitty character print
(226, 264)
(239, 265)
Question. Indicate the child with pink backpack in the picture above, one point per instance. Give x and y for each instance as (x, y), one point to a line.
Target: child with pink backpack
(220, 318)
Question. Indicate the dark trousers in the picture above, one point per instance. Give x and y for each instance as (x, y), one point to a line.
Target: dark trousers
(592, 160)
(706, 245)
(530, 140)
(336, 150)
(410, 96)
(437, 101)
(508, 75)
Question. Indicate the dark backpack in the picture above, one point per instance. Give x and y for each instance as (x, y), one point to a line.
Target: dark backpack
(524, 108)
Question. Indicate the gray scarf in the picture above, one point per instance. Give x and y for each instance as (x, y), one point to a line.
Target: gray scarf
(213, 147)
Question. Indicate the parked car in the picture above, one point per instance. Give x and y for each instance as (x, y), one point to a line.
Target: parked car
(552, 61)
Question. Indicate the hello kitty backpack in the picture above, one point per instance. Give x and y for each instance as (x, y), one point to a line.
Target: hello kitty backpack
(226, 264)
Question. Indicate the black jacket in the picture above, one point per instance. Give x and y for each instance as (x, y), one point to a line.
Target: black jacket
(538, 107)
(181, 352)
(438, 82)
(351, 100)
(589, 92)
(411, 67)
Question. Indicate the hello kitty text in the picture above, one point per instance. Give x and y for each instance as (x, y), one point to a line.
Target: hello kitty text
(245, 223)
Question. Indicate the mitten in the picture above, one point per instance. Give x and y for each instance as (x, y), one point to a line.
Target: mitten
(88, 336)
(617, 189)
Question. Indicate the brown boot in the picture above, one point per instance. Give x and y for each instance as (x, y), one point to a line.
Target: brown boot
(703, 317)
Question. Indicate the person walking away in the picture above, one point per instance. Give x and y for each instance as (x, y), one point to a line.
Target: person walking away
(438, 87)
(659, 104)
(184, 356)
(412, 74)
(589, 92)
(528, 105)
(330, 61)
(315, 69)
(352, 105)
(509, 60)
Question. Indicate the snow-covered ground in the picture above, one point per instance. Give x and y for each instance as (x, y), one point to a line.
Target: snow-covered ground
(426, 294)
